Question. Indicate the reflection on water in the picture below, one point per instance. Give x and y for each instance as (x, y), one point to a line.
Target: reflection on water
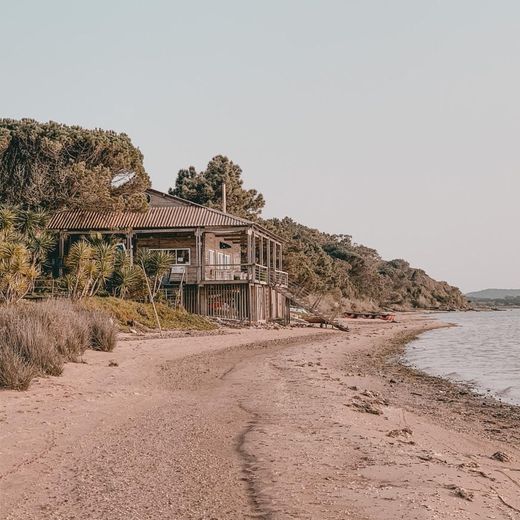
(483, 350)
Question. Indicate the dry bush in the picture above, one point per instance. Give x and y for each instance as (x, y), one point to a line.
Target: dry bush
(15, 372)
(66, 324)
(102, 331)
(24, 334)
(36, 339)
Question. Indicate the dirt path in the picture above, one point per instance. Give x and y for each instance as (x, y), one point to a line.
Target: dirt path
(301, 424)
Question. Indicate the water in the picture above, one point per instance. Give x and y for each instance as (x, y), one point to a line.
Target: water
(484, 350)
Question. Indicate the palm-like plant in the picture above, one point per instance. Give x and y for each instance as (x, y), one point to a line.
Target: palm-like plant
(7, 219)
(24, 245)
(80, 263)
(155, 265)
(104, 256)
(17, 272)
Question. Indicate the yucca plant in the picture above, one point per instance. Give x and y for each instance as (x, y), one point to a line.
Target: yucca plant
(127, 279)
(104, 256)
(155, 265)
(80, 263)
(24, 245)
(91, 263)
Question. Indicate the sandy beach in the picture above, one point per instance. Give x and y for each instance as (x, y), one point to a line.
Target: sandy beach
(273, 424)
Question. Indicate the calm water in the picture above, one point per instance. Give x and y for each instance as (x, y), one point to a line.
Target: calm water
(483, 350)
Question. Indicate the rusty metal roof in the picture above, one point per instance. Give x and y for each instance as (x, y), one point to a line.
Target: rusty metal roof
(154, 218)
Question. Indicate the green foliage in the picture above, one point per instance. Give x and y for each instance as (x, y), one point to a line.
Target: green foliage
(154, 265)
(95, 265)
(326, 263)
(127, 280)
(132, 314)
(206, 188)
(54, 166)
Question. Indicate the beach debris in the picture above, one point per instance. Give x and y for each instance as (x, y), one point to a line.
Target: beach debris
(482, 474)
(369, 402)
(505, 502)
(113, 363)
(501, 456)
(461, 492)
(354, 387)
(470, 464)
(402, 432)
(367, 407)
(426, 457)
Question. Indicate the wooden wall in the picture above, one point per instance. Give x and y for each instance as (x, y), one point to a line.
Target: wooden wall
(243, 302)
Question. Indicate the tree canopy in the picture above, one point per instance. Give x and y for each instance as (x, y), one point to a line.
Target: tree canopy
(205, 188)
(55, 166)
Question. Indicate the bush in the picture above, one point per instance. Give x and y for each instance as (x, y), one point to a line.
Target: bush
(24, 334)
(103, 335)
(15, 372)
(65, 323)
(36, 339)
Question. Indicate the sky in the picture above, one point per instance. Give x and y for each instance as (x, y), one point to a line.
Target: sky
(395, 122)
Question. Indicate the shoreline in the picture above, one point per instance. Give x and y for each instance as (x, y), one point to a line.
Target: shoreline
(274, 424)
(455, 395)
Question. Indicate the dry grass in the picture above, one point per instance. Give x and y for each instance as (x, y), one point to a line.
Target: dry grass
(103, 333)
(36, 339)
(131, 314)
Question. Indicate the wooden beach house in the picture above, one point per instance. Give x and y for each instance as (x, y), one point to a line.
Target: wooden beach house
(224, 266)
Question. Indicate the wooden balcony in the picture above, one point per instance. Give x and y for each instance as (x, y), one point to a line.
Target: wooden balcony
(226, 273)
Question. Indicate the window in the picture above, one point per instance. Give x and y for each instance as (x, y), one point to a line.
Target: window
(223, 260)
(180, 256)
(211, 257)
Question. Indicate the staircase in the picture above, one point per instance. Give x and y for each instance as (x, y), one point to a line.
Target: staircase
(299, 295)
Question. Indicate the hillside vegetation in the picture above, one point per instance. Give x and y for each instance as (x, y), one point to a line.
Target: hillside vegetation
(356, 275)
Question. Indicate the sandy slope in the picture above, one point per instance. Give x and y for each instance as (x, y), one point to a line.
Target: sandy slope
(218, 427)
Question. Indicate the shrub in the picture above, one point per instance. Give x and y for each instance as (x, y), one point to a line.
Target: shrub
(102, 331)
(15, 372)
(36, 339)
(62, 320)
(25, 335)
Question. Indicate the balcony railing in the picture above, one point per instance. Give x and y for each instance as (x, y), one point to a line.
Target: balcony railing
(253, 273)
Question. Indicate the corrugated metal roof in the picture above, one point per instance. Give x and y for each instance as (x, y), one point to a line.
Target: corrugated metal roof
(153, 218)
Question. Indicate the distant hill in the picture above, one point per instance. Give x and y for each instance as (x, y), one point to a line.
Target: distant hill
(493, 294)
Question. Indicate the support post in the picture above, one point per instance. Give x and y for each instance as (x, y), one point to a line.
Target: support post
(129, 246)
(198, 254)
(61, 253)
(268, 262)
(203, 256)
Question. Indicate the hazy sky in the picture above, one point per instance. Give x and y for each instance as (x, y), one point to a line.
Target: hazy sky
(394, 121)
